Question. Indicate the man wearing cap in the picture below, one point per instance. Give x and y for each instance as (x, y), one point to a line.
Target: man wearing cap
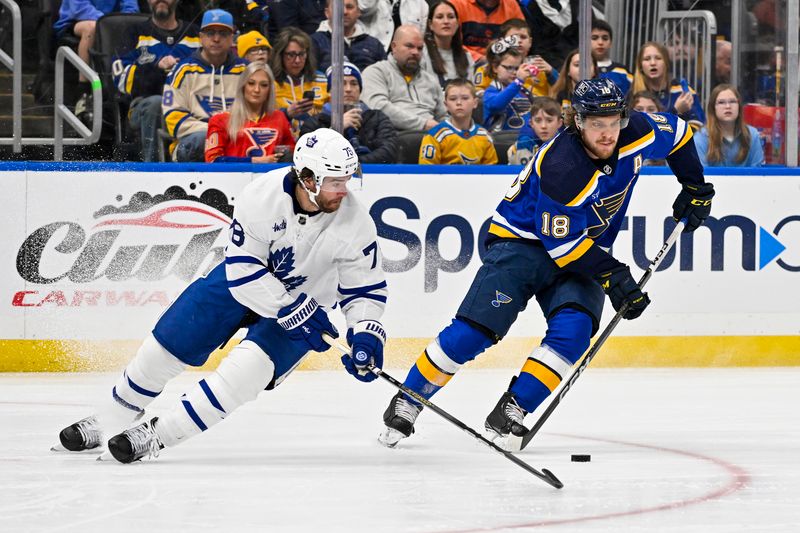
(201, 85)
(253, 46)
(361, 49)
(153, 47)
(369, 131)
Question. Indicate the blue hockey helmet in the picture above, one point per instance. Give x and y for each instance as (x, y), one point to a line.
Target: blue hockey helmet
(599, 96)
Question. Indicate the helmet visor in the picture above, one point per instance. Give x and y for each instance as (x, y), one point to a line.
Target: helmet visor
(342, 183)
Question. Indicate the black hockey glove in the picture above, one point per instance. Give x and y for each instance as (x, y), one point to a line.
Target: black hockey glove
(366, 340)
(621, 289)
(694, 204)
(305, 321)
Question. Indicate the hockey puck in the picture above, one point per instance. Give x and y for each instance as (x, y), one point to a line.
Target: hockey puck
(577, 458)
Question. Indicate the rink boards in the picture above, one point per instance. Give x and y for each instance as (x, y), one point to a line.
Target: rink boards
(95, 252)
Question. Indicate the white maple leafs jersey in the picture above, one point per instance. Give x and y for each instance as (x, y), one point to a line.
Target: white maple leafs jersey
(277, 252)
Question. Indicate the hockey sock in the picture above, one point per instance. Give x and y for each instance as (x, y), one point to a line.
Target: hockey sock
(239, 379)
(567, 337)
(142, 380)
(457, 344)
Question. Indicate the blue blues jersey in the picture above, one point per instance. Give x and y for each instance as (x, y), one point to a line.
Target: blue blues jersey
(617, 73)
(135, 67)
(695, 116)
(574, 205)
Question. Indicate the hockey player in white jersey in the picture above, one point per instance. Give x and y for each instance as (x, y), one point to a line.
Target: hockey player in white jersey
(299, 244)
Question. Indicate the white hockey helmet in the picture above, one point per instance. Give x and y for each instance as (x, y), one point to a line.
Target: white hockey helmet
(326, 153)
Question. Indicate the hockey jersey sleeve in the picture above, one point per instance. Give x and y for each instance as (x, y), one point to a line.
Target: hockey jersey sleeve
(362, 290)
(175, 103)
(216, 137)
(249, 278)
(673, 141)
(429, 150)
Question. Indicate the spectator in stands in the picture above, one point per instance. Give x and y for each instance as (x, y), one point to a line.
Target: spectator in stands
(79, 17)
(360, 48)
(369, 131)
(381, 17)
(726, 141)
(253, 46)
(201, 86)
(601, 52)
(410, 96)
(304, 15)
(445, 56)
(653, 69)
(481, 21)
(545, 122)
(646, 102)
(458, 140)
(507, 98)
(300, 87)
(517, 31)
(722, 66)
(253, 131)
(568, 77)
(151, 50)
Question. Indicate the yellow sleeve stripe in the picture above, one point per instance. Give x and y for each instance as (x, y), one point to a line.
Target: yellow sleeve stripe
(129, 79)
(173, 118)
(686, 136)
(637, 144)
(586, 192)
(540, 157)
(575, 254)
(500, 231)
(184, 70)
(431, 372)
(550, 379)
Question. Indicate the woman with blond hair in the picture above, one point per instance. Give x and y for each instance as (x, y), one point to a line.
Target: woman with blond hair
(653, 73)
(727, 141)
(253, 129)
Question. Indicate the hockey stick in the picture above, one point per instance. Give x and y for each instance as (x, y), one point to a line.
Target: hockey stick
(545, 475)
(668, 244)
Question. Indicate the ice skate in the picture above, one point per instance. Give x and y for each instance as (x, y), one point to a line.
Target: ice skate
(83, 435)
(399, 419)
(138, 442)
(505, 420)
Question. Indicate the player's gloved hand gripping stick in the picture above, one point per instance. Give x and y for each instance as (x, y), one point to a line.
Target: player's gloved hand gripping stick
(545, 475)
(621, 313)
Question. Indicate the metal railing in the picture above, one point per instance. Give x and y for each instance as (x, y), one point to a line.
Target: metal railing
(14, 64)
(689, 36)
(634, 22)
(63, 113)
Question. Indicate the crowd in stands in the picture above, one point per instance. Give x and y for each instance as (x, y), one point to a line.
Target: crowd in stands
(247, 81)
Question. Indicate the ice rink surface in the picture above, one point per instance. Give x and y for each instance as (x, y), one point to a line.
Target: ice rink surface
(689, 450)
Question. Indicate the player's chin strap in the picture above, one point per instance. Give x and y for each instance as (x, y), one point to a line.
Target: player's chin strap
(311, 195)
(567, 383)
(545, 475)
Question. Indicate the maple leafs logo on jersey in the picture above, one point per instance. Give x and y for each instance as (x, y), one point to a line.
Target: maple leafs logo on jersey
(212, 107)
(260, 138)
(281, 264)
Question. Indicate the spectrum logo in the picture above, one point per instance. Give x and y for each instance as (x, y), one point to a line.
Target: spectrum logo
(759, 246)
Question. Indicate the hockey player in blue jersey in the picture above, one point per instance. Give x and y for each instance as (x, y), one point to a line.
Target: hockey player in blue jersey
(549, 238)
(299, 244)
